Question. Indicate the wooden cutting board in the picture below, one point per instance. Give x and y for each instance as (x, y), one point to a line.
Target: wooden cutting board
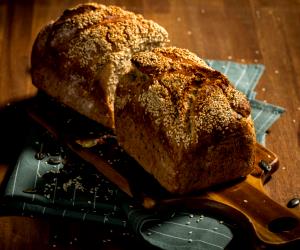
(244, 201)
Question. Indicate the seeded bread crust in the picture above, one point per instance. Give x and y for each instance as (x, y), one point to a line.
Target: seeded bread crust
(78, 58)
(183, 121)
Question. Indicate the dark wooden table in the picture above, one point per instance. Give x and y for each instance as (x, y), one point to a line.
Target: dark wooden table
(247, 31)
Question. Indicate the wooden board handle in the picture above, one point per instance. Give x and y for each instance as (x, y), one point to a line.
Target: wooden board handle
(272, 223)
(247, 204)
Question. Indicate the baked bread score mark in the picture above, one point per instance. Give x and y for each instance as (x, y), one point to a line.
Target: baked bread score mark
(79, 58)
(183, 121)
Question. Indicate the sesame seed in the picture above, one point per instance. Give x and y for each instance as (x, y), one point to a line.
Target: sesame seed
(188, 223)
(256, 60)
(202, 11)
(178, 19)
(294, 121)
(229, 57)
(191, 215)
(246, 201)
(189, 32)
(190, 240)
(276, 72)
(256, 52)
(242, 60)
(263, 89)
(190, 232)
(257, 12)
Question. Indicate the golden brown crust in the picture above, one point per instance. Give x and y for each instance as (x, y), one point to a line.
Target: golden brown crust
(79, 57)
(191, 128)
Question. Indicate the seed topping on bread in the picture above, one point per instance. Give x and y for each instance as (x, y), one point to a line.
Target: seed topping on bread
(186, 98)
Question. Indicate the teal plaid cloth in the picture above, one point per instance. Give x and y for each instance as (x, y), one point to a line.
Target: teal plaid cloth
(77, 191)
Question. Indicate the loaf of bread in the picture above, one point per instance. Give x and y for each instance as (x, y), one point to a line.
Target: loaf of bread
(183, 121)
(78, 58)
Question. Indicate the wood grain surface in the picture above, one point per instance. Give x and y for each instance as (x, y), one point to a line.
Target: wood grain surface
(247, 31)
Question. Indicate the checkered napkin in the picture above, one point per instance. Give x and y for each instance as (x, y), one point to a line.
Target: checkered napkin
(48, 186)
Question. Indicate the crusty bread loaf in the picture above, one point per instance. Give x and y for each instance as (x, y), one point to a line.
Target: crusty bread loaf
(78, 58)
(183, 121)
